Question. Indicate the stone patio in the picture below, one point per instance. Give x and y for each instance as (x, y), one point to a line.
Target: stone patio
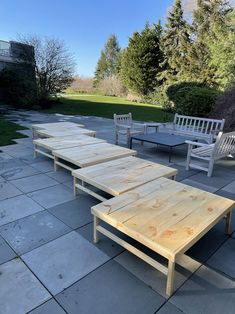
(49, 264)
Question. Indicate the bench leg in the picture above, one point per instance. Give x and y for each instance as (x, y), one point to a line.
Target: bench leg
(228, 223)
(95, 232)
(170, 278)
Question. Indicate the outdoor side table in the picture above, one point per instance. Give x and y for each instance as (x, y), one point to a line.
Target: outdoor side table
(166, 216)
(44, 133)
(152, 125)
(54, 125)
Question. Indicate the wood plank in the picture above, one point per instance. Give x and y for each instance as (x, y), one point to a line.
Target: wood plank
(55, 125)
(64, 132)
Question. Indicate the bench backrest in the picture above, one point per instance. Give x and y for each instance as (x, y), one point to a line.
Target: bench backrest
(203, 127)
(225, 144)
(123, 119)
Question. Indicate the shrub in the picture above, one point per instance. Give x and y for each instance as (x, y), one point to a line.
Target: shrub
(193, 100)
(112, 87)
(225, 109)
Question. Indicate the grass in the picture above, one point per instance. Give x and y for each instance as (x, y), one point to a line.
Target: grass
(105, 106)
(8, 131)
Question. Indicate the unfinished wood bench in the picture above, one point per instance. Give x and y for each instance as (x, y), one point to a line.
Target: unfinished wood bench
(45, 146)
(164, 215)
(54, 125)
(119, 176)
(80, 157)
(44, 133)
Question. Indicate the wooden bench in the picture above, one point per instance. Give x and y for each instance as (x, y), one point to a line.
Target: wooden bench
(223, 147)
(79, 157)
(164, 215)
(44, 133)
(45, 146)
(54, 125)
(199, 128)
(119, 176)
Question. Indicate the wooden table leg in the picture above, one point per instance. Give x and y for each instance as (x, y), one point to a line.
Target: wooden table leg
(55, 164)
(75, 180)
(170, 278)
(228, 223)
(95, 232)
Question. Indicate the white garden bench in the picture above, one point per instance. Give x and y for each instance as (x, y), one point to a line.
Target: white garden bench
(198, 128)
(224, 146)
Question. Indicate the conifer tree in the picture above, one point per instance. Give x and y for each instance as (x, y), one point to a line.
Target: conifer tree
(176, 45)
(108, 63)
(141, 59)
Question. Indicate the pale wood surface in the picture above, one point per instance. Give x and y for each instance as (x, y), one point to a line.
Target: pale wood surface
(118, 176)
(93, 154)
(64, 132)
(55, 125)
(165, 215)
(54, 143)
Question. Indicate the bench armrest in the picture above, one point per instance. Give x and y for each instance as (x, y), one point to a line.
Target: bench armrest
(123, 126)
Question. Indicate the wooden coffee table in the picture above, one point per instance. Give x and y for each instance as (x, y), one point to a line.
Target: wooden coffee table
(44, 133)
(45, 146)
(54, 125)
(119, 176)
(79, 157)
(166, 216)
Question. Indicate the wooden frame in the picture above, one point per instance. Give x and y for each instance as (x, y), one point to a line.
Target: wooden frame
(54, 125)
(79, 157)
(166, 216)
(119, 176)
(45, 146)
(61, 132)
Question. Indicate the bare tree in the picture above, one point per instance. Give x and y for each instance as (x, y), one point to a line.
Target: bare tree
(54, 64)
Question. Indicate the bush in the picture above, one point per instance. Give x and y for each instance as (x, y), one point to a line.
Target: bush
(225, 109)
(112, 87)
(192, 100)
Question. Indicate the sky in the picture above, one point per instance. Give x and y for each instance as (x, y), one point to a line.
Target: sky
(84, 26)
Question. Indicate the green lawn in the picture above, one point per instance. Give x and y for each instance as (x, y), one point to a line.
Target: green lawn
(105, 106)
(8, 131)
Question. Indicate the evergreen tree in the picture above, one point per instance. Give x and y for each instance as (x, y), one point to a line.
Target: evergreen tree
(176, 45)
(209, 20)
(108, 63)
(140, 60)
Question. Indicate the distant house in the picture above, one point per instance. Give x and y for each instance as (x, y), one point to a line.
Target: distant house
(14, 52)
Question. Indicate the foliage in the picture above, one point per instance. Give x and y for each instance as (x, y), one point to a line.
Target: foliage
(193, 100)
(140, 61)
(176, 44)
(17, 81)
(112, 87)
(54, 65)
(81, 85)
(225, 109)
(108, 63)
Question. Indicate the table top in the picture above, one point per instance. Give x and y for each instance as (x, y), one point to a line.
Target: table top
(162, 138)
(165, 215)
(54, 143)
(118, 176)
(55, 125)
(93, 154)
(64, 132)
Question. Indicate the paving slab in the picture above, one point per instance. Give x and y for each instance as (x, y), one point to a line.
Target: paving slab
(206, 292)
(33, 183)
(106, 245)
(50, 307)
(152, 277)
(8, 190)
(76, 213)
(52, 196)
(60, 263)
(18, 172)
(28, 233)
(226, 194)
(19, 289)
(44, 166)
(224, 259)
(61, 175)
(230, 187)
(110, 289)
(4, 156)
(10, 163)
(29, 159)
(198, 185)
(169, 308)
(6, 252)
(2, 179)
(216, 181)
(16, 208)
